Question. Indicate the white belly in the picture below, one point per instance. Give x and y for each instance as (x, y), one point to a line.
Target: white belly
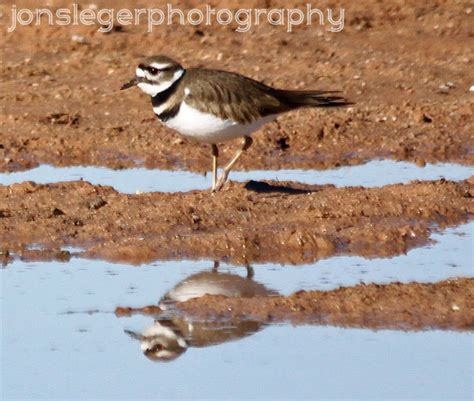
(205, 127)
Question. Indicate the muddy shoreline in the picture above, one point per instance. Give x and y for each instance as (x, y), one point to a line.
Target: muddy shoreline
(445, 305)
(250, 222)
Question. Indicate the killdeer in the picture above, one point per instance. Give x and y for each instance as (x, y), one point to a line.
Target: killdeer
(172, 334)
(213, 106)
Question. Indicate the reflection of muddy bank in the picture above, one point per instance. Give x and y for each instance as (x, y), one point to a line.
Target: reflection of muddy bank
(283, 222)
(445, 305)
(172, 333)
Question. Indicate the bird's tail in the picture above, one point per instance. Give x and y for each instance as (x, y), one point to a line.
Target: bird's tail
(296, 99)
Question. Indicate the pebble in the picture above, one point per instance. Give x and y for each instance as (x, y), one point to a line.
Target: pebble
(471, 89)
(444, 88)
(455, 308)
(78, 38)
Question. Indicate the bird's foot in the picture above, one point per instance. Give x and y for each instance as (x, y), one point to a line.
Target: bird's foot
(221, 181)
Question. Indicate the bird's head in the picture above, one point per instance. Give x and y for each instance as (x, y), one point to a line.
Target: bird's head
(155, 74)
(160, 342)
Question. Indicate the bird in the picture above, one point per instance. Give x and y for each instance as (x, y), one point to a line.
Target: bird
(214, 106)
(174, 332)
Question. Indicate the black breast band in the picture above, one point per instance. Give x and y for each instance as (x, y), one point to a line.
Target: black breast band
(163, 97)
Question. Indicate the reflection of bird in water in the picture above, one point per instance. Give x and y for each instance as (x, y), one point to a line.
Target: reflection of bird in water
(169, 337)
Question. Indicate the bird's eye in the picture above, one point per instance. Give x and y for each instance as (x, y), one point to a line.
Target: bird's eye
(156, 348)
(153, 70)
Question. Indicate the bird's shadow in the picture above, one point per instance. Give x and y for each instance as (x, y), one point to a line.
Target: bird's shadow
(265, 187)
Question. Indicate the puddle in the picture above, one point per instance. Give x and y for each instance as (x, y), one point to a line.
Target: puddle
(58, 321)
(373, 174)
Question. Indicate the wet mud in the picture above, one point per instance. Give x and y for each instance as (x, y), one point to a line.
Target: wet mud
(249, 222)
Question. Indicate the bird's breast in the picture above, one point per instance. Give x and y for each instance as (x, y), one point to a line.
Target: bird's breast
(205, 127)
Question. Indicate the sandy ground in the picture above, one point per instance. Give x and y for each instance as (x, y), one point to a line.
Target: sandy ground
(406, 65)
(445, 305)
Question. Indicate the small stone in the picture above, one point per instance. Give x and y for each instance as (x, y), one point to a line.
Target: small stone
(78, 39)
(455, 307)
(471, 89)
(58, 212)
(444, 88)
(195, 218)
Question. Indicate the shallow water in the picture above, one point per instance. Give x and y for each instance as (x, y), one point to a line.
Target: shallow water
(372, 174)
(59, 331)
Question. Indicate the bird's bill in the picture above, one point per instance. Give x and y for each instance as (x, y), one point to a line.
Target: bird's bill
(133, 82)
(132, 334)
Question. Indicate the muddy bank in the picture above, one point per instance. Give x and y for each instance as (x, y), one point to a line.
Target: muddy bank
(250, 222)
(412, 97)
(445, 305)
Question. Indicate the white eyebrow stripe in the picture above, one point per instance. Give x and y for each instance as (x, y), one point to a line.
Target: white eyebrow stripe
(160, 66)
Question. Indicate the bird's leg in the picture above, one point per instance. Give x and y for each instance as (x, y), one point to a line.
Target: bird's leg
(250, 271)
(223, 178)
(215, 155)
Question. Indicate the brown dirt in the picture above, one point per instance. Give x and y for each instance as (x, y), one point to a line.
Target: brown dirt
(58, 104)
(445, 305)
(252, 222)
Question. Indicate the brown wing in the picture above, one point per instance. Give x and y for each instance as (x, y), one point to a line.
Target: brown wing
(230, 95)
(245, 100)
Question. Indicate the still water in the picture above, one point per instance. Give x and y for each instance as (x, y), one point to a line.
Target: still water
(372, 174)
(61, 339)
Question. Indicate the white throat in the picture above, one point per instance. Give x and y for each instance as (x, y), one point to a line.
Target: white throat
(153, 89)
